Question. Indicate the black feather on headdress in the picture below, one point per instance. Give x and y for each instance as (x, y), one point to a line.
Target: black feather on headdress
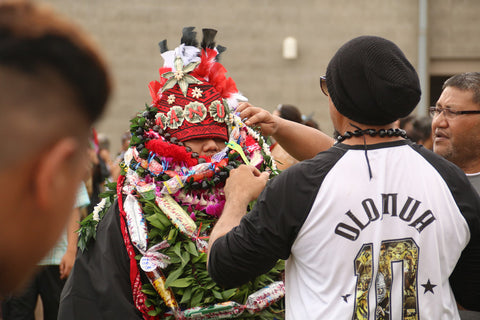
(208, 38)
(220, 49)
(163, 46)
(189, 37)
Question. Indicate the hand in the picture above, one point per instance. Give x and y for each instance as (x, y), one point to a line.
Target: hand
(245, 184)
(66, 264)
(255, 116)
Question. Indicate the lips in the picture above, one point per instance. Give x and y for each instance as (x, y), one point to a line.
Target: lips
(440, 135)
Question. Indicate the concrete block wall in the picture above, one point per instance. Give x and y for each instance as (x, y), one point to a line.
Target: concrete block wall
(253, 31)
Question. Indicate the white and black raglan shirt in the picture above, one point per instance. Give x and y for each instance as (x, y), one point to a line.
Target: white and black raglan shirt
(401, 244)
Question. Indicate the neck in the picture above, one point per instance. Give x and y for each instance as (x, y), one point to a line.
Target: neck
(470, 167)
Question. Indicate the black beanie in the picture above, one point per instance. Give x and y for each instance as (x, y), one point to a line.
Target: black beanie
(370, 81)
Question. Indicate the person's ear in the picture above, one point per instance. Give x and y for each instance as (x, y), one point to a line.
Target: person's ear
(54, 172)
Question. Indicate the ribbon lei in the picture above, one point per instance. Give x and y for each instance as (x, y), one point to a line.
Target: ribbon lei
(202, 245)
(235, 146)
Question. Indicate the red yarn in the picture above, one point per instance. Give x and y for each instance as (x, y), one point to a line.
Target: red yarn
(169, 150)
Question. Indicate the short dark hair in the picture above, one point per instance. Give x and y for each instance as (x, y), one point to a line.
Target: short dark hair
(421, 129)
(290, 112)
(466, 81)
(33, 37)
(405, 120)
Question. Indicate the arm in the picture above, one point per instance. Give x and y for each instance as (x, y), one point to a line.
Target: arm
(68, 259)
(465, 279)
(301, 141)
(248, 245)
(243, 185)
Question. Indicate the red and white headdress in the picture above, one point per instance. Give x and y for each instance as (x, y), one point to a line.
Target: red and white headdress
(194, 96)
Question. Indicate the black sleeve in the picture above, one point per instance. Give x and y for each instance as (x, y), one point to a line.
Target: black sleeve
(99, 284)
(267, 233)
(465, 279)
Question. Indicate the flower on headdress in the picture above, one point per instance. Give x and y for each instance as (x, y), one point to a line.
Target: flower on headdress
(180, 76)
(197, 93)
(171, 99)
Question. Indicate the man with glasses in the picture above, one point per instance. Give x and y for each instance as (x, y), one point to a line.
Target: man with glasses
(456, 129)
(375, 226)
(456, 124)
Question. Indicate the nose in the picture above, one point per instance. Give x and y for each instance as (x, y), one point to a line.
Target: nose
(210, 146)
(439, 121)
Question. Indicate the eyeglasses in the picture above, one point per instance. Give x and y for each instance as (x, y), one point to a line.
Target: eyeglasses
(323, 85)
(449, 113)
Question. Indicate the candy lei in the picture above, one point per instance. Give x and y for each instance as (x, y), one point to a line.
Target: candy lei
(169, 213)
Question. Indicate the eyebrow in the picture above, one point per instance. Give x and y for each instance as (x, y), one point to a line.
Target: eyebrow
(445, 107)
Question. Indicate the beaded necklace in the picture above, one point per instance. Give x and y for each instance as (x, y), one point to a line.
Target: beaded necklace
(382, 133)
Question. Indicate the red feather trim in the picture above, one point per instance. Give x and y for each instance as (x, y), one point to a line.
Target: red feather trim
(154, 87)
(217, 72)
(214, 72)
(225, 86)
(207, 60)
(161, 71)
(230, 88)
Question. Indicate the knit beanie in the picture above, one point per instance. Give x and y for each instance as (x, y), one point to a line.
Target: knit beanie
(371, 81)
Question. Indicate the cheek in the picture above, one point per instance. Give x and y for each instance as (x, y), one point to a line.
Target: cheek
(465, 135)
(220, 145)
(459, 131)
(333, 113)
